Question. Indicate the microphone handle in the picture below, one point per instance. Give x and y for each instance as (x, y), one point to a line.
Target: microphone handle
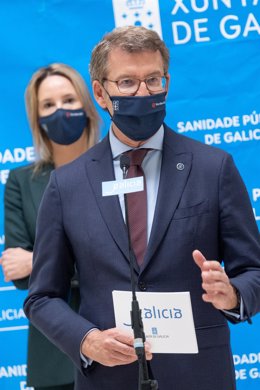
(136, 314)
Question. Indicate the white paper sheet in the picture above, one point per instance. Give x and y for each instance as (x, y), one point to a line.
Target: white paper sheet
(167, 319)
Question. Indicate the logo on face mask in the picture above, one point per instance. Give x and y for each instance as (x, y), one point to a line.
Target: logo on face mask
(139, 117)
(156, 104)
(115, 105)
(64, 127)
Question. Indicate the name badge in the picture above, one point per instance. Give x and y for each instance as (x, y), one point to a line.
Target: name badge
(124, 186)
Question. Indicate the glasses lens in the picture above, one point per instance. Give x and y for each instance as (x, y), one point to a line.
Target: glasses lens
(128, 85)
(156, 83)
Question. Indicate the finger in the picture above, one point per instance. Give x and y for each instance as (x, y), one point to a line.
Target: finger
(114, 361)
(116, 352)
(122, 348)
(218, 300)
(130, 355)
(213, 273)
(119, 341)
(124, 357)
(214, 276)
(198, 258)
(213, 265)
(149, 356)
(124, 337)
(215, 288)
(7, 278)
(5, 257)
(209, 298)
(114, 358)
(6, 251)
(6, 274)
(147, 346)
(148, 352)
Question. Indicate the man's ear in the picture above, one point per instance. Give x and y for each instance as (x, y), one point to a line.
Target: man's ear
(99, 94)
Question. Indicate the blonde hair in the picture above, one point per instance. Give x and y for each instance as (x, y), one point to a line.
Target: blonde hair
(41, 141)
(131, 39)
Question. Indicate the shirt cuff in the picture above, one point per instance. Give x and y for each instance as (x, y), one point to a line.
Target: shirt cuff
(84, 359)
(239, 313)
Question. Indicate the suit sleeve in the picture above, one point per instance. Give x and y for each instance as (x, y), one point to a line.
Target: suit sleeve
(53, 266)
(240, 240)
(16, 232)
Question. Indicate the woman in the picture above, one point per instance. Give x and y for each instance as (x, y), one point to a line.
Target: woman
(64, 125)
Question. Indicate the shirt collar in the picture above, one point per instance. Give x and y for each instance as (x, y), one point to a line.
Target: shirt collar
(118, 147)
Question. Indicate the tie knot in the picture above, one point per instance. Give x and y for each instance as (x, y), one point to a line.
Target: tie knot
(136, 156)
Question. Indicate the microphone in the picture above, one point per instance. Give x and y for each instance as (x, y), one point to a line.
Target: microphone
(136, 315)
(124, 164)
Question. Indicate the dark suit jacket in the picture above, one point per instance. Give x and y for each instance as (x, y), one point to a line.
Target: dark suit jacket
(205, 206)
(47, 365)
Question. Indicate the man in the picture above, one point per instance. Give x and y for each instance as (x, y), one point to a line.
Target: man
(198, 215)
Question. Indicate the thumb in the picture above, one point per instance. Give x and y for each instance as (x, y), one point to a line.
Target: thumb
(198, 258)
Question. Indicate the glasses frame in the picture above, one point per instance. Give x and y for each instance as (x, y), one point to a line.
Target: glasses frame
(139, 81)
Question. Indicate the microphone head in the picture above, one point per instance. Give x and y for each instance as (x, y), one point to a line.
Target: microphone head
(124, 162)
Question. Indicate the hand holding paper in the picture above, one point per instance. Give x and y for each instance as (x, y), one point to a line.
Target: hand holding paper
(111, 347)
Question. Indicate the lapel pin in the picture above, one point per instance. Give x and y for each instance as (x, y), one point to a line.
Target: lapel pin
(180, 166)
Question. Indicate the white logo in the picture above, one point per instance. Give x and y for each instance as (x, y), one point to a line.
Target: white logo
(116, 105)
(11, 314)
(124, 186)
(13, 371)
(17, 155)
(135, 4)
(144, 13)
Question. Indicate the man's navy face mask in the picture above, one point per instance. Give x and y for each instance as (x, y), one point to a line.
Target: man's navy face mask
(139, 117)
(64, 126)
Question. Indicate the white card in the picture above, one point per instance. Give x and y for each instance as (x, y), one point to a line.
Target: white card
(123, 186)
(167, 319)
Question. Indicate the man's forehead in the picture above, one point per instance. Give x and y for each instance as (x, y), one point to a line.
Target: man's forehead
(130, 63)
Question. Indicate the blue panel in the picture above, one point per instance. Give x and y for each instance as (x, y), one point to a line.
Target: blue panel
(214, 97)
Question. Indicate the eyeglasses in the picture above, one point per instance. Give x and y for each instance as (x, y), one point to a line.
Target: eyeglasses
(130, 86)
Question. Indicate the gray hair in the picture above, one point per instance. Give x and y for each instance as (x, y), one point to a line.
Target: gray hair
(130, 39)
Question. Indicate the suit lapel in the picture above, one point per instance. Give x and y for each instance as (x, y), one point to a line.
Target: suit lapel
(176, 165)
(37, 184)
(99, 169)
